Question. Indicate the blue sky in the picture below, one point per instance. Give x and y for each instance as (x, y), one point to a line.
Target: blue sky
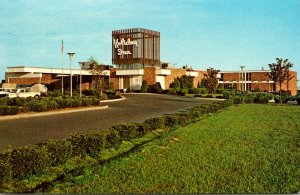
(223, 34)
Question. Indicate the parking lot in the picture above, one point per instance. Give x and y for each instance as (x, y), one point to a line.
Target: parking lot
(135, 108)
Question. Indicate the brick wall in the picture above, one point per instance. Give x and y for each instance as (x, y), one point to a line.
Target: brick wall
(290, 85)
(259, 76)
(174, 74)
(231, 76)
(114, 79)
(46, 79)
(150, 75)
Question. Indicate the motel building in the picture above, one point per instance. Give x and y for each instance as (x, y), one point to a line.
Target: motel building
(136, 57)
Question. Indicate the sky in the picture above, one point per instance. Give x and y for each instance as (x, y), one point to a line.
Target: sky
(223, 34)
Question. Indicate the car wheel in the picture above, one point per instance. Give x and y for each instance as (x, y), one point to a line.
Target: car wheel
(36, 97)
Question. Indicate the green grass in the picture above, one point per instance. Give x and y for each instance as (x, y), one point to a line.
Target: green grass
(245, 149)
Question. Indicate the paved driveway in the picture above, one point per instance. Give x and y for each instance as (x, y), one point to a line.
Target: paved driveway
(135, 108)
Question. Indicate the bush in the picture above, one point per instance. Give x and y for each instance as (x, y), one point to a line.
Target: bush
(86, 101)
(198, 95)
(173, 91)
(3, 101)
(28, 160)
(95, 101)
(154, 123)
(104, 96)
(52, 105)
(239, 99)
(227, 94)
(126, 131)
(262, 98)
(156, 88)
(87, 143)
(144, 87)
(9, 110)
(37, 106)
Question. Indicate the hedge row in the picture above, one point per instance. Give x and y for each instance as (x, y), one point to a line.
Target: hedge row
(20, 163)
(247, 97)
(16, 105)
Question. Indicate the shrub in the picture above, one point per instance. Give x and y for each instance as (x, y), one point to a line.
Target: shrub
(86, 101)
(9, 110)
(239, 99)
(249, 98)
(37, 106)
(54, 93)
(262, 98)
(87, 143)
(104, 96)
(95, 101)
(197, 95)
(126, 131)
(227, 94)
(220, 90)
(171, 121)
(59, 151)
(208, 96)
(112, 138)
(3, 101)
(154, 123)
(156, 88)
(184, 119)
(172, 91)
(28, 160)
(76, 102)
(67, 103)
(52, 105)
(144, 87)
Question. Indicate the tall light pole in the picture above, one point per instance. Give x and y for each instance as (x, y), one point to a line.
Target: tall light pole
(71, 54)
(80, 81)
(243, 78)
(62, 67)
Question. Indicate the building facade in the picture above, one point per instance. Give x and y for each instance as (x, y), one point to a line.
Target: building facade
(255, 80)
(136, 57)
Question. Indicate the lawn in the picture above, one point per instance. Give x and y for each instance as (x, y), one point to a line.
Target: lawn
(245, 149)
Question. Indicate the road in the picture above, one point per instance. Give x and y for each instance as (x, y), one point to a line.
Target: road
(135, 108)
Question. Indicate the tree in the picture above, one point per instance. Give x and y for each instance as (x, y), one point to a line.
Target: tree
(96, 70)
(211, 81)
(280, 73)
(183, 82)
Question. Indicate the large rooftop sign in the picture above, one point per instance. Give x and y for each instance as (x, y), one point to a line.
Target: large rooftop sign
(135, 46)
(118, 44)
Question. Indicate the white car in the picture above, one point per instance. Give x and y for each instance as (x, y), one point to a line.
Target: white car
(5, 91)
(24, 93)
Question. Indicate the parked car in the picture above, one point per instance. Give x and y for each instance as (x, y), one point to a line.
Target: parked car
(294, 100)
(5, 91)
(24, 93)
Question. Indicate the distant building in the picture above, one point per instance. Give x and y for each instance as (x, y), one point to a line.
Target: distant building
(251, 80)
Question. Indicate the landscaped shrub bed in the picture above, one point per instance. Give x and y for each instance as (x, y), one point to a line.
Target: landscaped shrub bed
(11, 106)
(18, 164)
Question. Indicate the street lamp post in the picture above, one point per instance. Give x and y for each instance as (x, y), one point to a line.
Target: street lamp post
(243, 78)
(71, 54)
(80, 81)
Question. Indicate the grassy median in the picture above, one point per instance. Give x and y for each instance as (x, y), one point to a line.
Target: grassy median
(245, 149)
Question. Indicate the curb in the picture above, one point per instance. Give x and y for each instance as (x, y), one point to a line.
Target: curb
(113, 100)
(29, 115)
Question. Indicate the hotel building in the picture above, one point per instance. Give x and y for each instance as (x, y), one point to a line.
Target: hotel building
(136, 57)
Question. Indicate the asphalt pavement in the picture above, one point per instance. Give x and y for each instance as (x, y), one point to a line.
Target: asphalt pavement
(134, 108)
